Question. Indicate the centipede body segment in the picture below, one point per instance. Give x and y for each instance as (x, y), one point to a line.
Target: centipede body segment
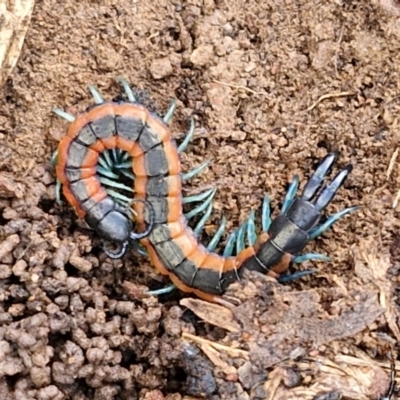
(146, 149)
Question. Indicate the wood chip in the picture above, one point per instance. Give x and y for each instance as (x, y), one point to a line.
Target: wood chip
(15, 17)
(230, 350)
(212, 313)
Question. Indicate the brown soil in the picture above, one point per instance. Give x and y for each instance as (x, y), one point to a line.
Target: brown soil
(274, 86)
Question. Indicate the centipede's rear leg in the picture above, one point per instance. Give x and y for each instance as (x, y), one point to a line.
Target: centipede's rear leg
(299, 219)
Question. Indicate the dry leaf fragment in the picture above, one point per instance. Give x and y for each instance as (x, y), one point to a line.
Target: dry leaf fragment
(212, 313)
(15, 16)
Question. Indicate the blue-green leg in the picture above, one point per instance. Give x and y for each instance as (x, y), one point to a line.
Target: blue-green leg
(240, 245)
(128, 90)
(310, 256)
(98, 98)
(200, 225)
(283, 278)
(201, 207)
(63, 114)
(190, 174)
(170, 113)
(183, 146)
(266, 215)
(217, 237)
(330, 221)
(251, 229)
(158, 292)
(198, 197)
(290, 194)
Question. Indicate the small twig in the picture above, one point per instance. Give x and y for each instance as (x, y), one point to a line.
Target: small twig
(328, 96)
(391, 163)
(389, 172)
(396, 200)
(232, 351)
(337, 51)
(238, 87)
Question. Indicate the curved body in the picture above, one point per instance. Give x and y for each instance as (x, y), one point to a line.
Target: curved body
(171, 245)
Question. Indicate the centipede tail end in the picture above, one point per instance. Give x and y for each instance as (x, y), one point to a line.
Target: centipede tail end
(290, 232)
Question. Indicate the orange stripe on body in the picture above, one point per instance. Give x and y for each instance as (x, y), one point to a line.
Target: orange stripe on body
(174, 199)
(88, 172)
(110, 142)
(154, 259)
(130, 110)
(264, 237)
(94, 114)
(283, 265)
(174, 208)
(91, 160)
(126, 145)
(160, 129)
(177, 228)
(73, 201)
(92, 185)
(202, 295)
(171, 153)
(187, 243)
(245, 254)
(99, 195)
(175, 280)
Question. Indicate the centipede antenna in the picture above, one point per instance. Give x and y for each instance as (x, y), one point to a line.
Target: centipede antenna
(217, 236)
(310, 256)
(251, 229)
(128, 90)
(158, 292)
(318, 230)
(201, 207)
(314, 183)
(266, 215)
(116, 254)
(183, 146)
(58, 192)
(230, 244)
(240, 245)
(151, 215)
(63, 114)
(190, 174)
(106, 172)
(197, 197)
(98, 98)
(290, 194)
(200, 226)
(170, 113)
(330, 190)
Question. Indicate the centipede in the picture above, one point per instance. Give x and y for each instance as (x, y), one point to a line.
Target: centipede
(123, 138)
